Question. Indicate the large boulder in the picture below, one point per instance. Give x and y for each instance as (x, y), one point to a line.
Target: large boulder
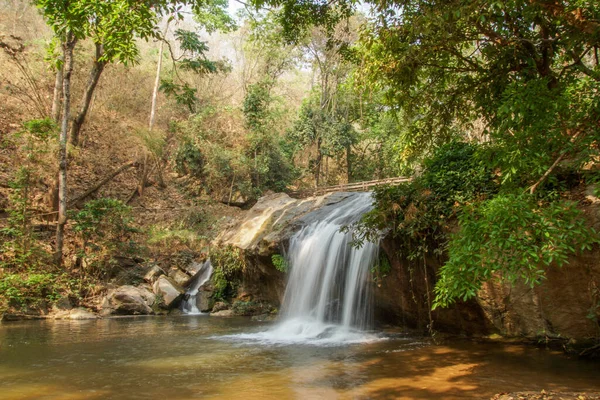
(153, 273)
(169, 290)
(180, 277)
(273, 219)
(204, 300)
(128, 300)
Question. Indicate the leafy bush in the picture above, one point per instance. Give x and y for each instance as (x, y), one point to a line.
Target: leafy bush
(105, 229)
(417, 213)
(18, 290)
(507, 234)
(280, 263)
(511, 236)
(20, 249)
(189, 160)
(228, 263)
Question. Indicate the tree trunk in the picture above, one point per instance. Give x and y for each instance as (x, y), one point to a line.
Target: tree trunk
(68, 46)
(349, 163)
(157, 80)
(318, 163)
(97, 70)
(58, 94)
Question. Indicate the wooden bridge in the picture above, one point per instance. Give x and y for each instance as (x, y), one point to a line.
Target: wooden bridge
(364, 186)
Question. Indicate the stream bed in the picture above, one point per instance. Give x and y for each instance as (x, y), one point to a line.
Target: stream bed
(191, 357)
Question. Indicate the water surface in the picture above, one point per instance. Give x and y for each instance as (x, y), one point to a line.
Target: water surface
(193, 357)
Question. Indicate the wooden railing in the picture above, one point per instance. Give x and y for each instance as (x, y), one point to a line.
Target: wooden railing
(349, 187)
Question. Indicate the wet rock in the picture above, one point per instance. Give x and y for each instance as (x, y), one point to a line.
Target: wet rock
(82, 314)
(128, 300)
(250, 308)
(273, 219)
(174, 312)
(204, 301)
(192, 268)
(264, 230)
(220, 306)
(169, 290)
(153, 274)
(223, 313)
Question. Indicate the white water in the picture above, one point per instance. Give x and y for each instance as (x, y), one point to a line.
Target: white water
(328, 298)
(188, 305)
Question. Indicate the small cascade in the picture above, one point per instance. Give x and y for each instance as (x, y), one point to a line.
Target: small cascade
(188, 305)
(328, 295)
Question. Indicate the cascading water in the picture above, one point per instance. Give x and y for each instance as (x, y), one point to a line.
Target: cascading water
(327, 299)
(188, 305)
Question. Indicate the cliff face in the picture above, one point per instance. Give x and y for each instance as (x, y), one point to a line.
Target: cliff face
(567, 303)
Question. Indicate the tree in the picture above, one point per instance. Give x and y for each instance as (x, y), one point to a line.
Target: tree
(113, 26)
(521, 74)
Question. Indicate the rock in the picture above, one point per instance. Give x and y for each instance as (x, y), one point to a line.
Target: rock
(153, 274)
(128, 300)
(220, 306)
(204, 301)
(263, 230)
(250, 308)
(81, 314)
(223, 313)
(237, 199)
(192, 268)
(174, 312)
(169, 290)
(180, 277)
(245, 296)
(590, 193)
(62, 304)
(273, 219)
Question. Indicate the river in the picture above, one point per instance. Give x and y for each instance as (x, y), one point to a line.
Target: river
(191, 357)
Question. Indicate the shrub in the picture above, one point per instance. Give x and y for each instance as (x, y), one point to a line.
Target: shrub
(513, 237)
(104, 227)
(280, 263)
(228, 263)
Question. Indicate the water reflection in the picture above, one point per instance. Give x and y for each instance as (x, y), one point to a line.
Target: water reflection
(179, 358)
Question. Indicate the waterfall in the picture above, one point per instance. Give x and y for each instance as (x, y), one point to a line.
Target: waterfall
(328, 295)
(188, 305)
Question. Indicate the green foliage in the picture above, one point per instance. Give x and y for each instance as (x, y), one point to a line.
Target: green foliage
(115, 25)
(20, 249)
(228, 263)
(183, 94)
(192, 59)
(512, 237)
(189, 160)
(248, 308)
(381, 268)
(418, 212)
(256, 105)
(270, 168)
(280, 263)
(521, 74)
(329, 130)
(19, 290)
(104, 227)
(41, 129)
